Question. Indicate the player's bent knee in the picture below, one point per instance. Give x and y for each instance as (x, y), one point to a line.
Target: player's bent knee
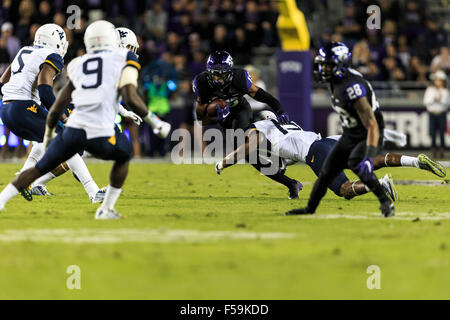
(124, 151)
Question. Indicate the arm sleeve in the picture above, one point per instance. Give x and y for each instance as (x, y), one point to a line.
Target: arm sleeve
(55, 61)
(265, 97)
(46, 95)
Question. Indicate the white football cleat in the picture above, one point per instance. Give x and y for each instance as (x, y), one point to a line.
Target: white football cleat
(105, 214)
(99, 196)
(163, 129)
(387, 182)
(40, 191)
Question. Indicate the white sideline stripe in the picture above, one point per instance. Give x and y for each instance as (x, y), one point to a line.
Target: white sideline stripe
(404, 216)
(426, 183)
(132, 235)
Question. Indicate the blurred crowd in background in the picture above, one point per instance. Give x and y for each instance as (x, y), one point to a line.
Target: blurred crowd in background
(176, 36)
(411, 44)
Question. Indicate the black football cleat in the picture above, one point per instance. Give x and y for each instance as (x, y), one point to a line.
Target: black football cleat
(294, 190)
(300, 211)
(387, 209)
(26, 193)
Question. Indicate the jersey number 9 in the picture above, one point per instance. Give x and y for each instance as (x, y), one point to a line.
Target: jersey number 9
(93, 66)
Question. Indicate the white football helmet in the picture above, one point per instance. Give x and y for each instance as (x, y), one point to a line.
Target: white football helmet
(128, 39)
(101, 35)
(51, 35)
(265, 115)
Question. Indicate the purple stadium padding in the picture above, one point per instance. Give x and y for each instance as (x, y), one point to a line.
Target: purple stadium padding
(295, 84)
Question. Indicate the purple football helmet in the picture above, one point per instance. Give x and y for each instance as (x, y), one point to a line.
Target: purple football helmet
(333, 60)
(219, 68)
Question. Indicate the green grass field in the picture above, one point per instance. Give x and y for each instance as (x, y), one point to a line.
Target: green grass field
(190, 234)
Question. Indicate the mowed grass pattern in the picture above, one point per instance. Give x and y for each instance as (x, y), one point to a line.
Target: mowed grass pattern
(323, 257)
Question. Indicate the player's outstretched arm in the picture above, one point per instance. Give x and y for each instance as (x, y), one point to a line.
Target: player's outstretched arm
(241, 153)
(132, 99)
(263, 96)
(128, 84)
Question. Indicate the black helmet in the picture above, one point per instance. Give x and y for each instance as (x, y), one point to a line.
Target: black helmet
(333, 60)
(219, 69)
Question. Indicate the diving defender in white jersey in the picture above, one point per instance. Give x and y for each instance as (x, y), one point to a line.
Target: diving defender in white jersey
(27, 91)
(95, 82)
(293, 144)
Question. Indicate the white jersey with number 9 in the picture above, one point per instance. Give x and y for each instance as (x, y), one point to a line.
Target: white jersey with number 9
(95, 77)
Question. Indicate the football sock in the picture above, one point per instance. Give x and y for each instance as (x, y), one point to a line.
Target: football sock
(409, 161)
(36, 153)
(374, 185)
(42, 181)
(9, 192)
(111, 196)
(78, 167)
(367, 188)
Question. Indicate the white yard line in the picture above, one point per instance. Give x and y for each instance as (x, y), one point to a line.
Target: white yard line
(133, 235)
(404, 216)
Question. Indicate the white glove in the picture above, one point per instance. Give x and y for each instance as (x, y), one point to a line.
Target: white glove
(133, 116)
(219, 167)
(130, 114)
(49, 135)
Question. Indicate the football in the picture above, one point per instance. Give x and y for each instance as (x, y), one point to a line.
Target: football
(211, 109)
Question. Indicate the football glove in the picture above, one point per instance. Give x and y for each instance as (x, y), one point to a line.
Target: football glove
(222, 113)
(133, 116)
(219, 167)
(283, 118)
(364, 169)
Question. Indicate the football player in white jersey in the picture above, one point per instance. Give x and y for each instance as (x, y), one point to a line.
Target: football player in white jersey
(96, 80)
(292, 143)
(27, 88)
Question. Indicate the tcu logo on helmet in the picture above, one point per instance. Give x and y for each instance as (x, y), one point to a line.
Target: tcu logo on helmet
(229, 60)
(341, 52)
(122, 34)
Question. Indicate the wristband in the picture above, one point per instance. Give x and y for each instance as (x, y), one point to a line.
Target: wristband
(371, 151)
